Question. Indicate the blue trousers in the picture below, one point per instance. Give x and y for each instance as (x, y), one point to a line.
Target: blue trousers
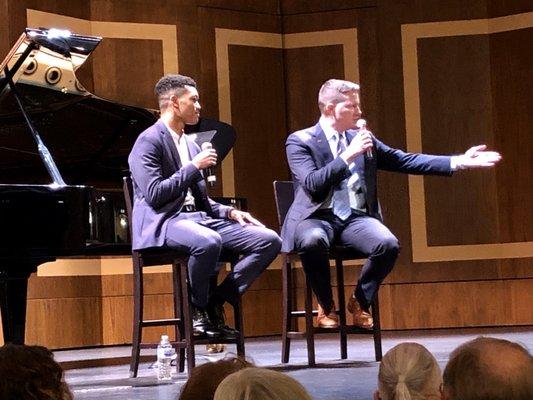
(204, 237)
(360, 232)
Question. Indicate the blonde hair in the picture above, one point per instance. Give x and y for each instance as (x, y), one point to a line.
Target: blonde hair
(409, 372)
(334, 91)
(260, 384)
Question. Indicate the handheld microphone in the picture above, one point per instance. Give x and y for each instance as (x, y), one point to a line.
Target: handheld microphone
(209, 171)
(361, 124)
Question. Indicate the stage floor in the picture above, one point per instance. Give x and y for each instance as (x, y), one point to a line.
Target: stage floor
(351, 379)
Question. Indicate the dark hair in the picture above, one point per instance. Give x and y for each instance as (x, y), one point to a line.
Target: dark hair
(489, 368)
(31, 373)
(205, 378)
(171, 84)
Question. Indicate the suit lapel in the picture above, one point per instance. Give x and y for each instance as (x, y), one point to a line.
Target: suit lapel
(322, 145)
(170, 145)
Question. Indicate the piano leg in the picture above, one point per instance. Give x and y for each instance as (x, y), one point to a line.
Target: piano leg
(13, 295)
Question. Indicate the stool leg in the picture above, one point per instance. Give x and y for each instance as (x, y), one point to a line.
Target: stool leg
(286, 292)
(239, 325)
(377, 328)
(178, 312)
(342, 308)
(138, 300)
(309, 329)
(187, 319)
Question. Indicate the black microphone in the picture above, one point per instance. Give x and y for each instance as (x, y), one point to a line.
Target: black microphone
(209, 171)
(361, 124)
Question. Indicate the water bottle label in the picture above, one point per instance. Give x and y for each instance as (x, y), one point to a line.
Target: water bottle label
(168, 352)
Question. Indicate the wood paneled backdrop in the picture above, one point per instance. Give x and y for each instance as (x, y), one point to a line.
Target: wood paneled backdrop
(471, 88)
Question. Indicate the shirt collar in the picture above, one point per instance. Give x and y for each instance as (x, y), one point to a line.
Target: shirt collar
(173, 133)
(328, 130)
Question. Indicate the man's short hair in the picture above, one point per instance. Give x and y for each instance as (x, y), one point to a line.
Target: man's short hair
(489, 368)
(171, 84)
(334, 91)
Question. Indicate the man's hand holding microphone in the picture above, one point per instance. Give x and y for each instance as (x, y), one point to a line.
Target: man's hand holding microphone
(361, 144)
(206, 160)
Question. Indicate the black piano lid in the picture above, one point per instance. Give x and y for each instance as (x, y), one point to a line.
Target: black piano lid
(88, 137)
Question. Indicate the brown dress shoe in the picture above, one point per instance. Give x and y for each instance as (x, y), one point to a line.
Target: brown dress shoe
(329, 321)
(361, 318)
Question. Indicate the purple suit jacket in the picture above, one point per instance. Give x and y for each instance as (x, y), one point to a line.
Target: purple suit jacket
(315, 172)
(160, 184)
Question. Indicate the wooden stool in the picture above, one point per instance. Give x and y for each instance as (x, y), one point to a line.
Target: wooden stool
(284, 196)
(184, 339)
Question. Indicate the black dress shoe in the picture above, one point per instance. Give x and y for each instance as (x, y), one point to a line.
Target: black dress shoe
(201, 326)
(215, 311)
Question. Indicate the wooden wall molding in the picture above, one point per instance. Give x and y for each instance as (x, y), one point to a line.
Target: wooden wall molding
(226, 37)
(417, 202)
(166, 33)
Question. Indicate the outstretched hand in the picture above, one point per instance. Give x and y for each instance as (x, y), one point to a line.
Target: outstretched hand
(477, 157)
(244, 218)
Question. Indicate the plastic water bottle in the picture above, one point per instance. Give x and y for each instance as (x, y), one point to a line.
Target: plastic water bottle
(165, 353)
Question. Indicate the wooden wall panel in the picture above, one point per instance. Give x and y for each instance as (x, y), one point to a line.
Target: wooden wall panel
(253, 6)
(17, 12)
(456, 113)
(456, 304)
(126, 70)
(258, 115)
(155, 12)
(5, 43)
(512, 85)
(289, 7)
(208, 20)
(392, 188)
(64, 322)
(499, 8)
(306, 69)
(493, 292)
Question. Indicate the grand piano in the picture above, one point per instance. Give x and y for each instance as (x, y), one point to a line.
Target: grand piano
(75, 207)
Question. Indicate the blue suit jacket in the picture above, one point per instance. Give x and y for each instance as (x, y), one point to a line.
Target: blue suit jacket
(160, 184)
(315, 172)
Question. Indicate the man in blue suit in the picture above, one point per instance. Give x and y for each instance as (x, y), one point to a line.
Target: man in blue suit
(171, 208)
(334, 168)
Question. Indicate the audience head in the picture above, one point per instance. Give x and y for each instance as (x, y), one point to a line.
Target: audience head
(205, 378)
(489, 369)
(30, 373)
(408, 371)
(260, 384)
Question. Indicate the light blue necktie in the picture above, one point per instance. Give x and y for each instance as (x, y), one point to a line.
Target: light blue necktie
(341, 197)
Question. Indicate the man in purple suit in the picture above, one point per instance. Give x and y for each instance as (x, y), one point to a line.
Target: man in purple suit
(171, 208)
(334, 168)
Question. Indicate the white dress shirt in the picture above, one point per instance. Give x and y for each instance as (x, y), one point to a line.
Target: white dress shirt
(183, 150)
(356, 194)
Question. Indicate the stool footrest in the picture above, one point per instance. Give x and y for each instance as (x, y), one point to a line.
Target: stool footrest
(154, 345)
(301, 313)
(295, 335)
(160, 322)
